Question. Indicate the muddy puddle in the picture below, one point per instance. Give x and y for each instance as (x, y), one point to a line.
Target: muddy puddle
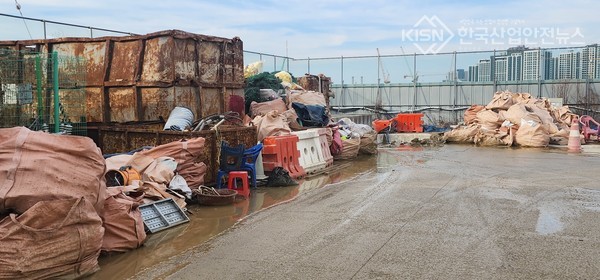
(207, 222)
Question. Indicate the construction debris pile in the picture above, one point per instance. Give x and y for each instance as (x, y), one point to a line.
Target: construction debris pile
(62, 203)
(277, 106)
(514, 119)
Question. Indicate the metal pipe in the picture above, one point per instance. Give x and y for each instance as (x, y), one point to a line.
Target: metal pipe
(455, 74)
(342, 60)
(320, 86)
(415, 77)
(38, 78)
(67, 24)
(55, 86)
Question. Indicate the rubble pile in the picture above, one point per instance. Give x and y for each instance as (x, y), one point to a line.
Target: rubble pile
(514, 119)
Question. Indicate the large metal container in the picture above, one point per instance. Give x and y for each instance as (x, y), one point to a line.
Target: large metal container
(123, 138)
(143, 77)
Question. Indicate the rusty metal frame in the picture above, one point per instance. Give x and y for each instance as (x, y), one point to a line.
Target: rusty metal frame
(104, 75)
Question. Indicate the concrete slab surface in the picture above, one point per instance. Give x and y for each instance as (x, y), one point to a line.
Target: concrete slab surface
(452, 212)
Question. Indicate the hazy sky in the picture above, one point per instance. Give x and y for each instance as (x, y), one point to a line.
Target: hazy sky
(328, 28)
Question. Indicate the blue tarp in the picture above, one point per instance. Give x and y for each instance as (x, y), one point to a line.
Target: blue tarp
(311, 115)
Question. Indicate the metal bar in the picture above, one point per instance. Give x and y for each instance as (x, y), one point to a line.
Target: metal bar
(38, 79)
(55, 86)
(415, 77)
(67, 24)
(454, 74)
(342, 78)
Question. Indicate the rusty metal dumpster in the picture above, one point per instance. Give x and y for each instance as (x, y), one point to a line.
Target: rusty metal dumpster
(143, 77)
(122, 138)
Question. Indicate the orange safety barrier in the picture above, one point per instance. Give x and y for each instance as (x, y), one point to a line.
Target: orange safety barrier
(380, 125)
(282, 151)
(325, 146)
(409, 122)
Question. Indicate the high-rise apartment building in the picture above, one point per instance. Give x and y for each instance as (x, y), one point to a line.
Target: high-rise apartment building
(473, 73)
(590, 66)
(501, 68)
(569, 65)
(536, 65)
(484, 70)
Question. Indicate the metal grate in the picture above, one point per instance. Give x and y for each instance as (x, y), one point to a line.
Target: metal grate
(162, 214)
(42, 91)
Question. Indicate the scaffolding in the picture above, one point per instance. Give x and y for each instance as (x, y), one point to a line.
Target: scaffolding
(43, 91)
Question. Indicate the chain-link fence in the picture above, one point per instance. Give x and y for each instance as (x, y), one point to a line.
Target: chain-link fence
(42, 91)
(440, 85)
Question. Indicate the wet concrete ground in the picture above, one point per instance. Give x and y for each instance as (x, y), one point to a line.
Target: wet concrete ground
(207, 222)
(455, 212)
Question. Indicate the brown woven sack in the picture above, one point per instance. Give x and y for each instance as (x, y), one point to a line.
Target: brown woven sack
(462, 134)
(123, 223)
(532, 133)
(367, 144)
(350, 149)
(502, 100)
(307, 98)
(38, 166)
(271, 124)
(489, 120)
(59, 237)
(471, 113)
(189, 155)
(260, 109)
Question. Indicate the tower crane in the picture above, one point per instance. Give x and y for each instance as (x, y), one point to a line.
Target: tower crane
(386, 80)
(385, 74)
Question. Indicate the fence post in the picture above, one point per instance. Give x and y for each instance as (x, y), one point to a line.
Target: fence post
(415, 77)
(540, 69)
(44, 21)
(454, 74)
(493, 72)
(55, 87)
(342, 78)
(587, 97)
(38, 79)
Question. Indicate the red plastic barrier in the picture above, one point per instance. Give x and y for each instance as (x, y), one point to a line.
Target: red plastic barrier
(409, 122)
(282, 151)
(325, 146)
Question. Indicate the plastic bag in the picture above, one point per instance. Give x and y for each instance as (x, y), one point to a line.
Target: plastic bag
(178, 183)
(253, 69)
(280, 178)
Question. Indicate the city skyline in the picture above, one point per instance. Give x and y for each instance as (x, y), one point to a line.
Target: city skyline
(524, 64)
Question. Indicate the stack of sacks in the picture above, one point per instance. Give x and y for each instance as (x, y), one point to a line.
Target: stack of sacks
(514, 119)
(52, 194)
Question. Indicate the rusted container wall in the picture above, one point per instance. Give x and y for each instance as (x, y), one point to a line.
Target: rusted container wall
(143, 77)
(123, 138)
(319, 83)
